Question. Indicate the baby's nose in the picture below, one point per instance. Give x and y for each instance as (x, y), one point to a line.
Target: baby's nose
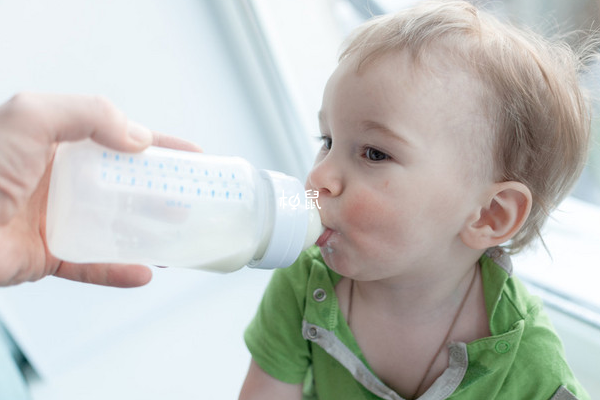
(326, 179)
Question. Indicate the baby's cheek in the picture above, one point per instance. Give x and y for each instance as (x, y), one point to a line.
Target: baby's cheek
(366, 212)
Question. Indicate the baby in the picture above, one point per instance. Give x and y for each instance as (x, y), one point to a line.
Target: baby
(445, 135)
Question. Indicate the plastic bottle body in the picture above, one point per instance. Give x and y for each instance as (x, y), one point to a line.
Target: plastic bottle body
(160, 207)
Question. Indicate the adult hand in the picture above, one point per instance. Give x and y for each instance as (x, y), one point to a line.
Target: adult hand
(31, 125)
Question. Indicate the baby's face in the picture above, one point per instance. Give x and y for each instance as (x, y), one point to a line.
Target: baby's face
(393, 180)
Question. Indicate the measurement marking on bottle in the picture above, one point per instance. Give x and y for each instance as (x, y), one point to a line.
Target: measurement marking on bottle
(171, 177)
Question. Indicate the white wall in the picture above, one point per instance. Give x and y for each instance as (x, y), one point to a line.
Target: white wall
(166, 64)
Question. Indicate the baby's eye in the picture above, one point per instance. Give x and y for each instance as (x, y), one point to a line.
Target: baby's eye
(372, 154)
(327, 142)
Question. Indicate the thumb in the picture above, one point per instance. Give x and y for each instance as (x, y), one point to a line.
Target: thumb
(138, 137)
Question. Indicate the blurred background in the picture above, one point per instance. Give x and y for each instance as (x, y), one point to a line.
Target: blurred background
(238, 77)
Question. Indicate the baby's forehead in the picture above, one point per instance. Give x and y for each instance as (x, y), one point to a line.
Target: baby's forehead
(433, 69)
(435, 83)
(435, 61)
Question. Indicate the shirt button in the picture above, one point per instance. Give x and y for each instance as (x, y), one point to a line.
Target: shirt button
(312, 332)
(319, 295)
(502, 346)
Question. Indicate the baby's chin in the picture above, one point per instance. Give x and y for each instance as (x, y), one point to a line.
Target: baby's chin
(336, 263)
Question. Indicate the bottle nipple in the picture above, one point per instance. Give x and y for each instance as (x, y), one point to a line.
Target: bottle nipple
(315, 229)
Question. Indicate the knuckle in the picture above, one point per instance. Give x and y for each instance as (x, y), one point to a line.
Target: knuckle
(22, 102)
(110, 116)
(104, 106)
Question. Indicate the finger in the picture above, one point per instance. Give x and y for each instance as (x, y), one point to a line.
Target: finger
(97, 118)
(61, 117)
(100, 120)
(117, 275)
(172, 142)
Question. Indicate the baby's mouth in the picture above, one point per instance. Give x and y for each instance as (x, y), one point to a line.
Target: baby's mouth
(324, 238)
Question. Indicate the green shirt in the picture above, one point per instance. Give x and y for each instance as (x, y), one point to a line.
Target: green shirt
(300, 335)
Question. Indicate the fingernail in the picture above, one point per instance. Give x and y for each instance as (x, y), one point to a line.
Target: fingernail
(139, 133)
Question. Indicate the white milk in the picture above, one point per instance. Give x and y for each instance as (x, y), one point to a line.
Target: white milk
(174, 208)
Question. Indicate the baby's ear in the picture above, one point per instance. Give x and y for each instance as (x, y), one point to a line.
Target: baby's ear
(500, 218)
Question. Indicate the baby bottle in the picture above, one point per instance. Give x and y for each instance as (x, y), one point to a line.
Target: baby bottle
(175, 208)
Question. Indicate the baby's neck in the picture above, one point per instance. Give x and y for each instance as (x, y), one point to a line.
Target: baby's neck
(415, 299)
(401, 327)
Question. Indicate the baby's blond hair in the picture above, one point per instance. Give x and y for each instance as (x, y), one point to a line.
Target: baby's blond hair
(532, 96)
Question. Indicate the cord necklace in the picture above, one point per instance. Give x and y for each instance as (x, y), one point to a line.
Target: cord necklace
(444, 341)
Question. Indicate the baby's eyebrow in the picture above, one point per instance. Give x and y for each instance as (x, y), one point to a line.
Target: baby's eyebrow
(376, 126)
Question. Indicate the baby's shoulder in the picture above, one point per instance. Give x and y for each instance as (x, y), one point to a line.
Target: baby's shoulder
(295, 279)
